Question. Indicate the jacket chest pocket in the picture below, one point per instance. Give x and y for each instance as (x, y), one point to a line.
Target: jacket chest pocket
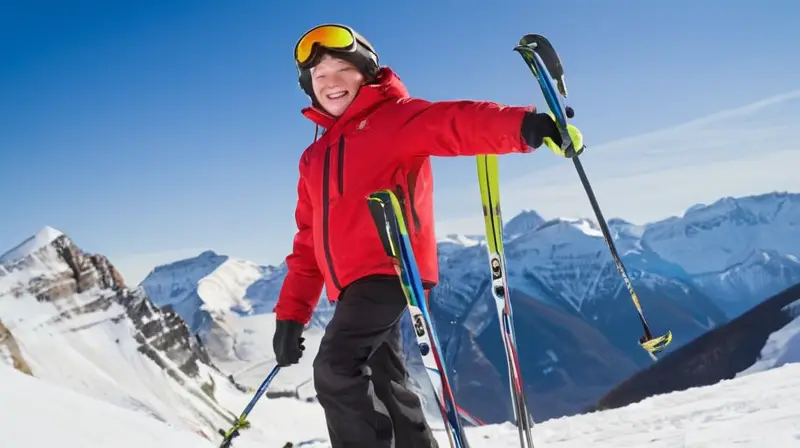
(353, 163)
(333, 174)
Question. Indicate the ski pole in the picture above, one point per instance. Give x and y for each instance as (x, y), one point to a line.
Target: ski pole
(242, 422)
(545, 64)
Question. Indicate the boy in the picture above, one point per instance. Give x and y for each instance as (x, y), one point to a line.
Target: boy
(375, 137)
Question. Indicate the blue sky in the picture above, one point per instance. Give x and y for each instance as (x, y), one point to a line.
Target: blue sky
(149, 131)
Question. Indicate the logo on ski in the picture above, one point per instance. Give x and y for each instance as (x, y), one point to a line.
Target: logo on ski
(497, 270)
(419, 325)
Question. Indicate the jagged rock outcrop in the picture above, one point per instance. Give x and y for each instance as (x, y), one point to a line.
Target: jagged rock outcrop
(159, 330)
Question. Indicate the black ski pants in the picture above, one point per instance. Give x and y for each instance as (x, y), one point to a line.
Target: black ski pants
(359, 373)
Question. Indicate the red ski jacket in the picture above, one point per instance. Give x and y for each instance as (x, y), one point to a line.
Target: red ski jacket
(383, 140)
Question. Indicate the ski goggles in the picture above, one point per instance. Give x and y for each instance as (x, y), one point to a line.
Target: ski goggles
(332, 37)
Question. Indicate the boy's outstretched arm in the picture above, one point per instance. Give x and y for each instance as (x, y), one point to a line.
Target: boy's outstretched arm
(468, 128)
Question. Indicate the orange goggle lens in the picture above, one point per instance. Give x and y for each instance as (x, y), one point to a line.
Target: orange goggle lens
(328, 36)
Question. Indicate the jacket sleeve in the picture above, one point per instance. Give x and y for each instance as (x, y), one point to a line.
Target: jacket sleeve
(461, 128)
(303, 284)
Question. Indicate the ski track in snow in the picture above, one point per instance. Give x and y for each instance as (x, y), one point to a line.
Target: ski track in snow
(758, 410)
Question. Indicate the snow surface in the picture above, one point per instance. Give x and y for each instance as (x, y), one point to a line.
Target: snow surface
(254, 358)
(42, 238)
(759, 410)
(782, 346)
(226, 287)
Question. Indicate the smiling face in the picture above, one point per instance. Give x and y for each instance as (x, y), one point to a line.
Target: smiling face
(335, 83)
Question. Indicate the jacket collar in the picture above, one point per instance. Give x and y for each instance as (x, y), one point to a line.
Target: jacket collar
(387, 86)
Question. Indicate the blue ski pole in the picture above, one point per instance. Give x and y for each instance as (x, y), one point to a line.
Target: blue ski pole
(242, 422)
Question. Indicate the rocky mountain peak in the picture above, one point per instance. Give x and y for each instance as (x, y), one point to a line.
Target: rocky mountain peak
(72, 311)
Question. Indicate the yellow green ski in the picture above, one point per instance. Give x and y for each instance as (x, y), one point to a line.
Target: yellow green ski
(490, 201)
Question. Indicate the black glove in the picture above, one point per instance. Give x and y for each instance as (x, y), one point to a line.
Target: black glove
(288, 342)
(538, 127)
(535, 127)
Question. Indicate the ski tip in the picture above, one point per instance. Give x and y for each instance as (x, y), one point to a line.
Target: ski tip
(658, 344)
(533, 39)
(540, 44)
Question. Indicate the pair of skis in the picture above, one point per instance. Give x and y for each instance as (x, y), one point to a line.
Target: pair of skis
(387, 213)
(545, 64)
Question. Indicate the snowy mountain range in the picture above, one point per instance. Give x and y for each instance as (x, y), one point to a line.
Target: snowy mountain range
(577, 328)
(106, 367)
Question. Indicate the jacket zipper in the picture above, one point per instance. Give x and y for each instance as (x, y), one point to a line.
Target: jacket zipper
(326, 192)
(341, 165)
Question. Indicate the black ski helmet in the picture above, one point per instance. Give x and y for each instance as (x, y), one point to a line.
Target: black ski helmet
(362, 55)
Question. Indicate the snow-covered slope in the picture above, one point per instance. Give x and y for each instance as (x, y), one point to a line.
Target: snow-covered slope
(37, 413)
(761, 338)
(68, 318)
(782, 346)
(756, 411)
(254, 358)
